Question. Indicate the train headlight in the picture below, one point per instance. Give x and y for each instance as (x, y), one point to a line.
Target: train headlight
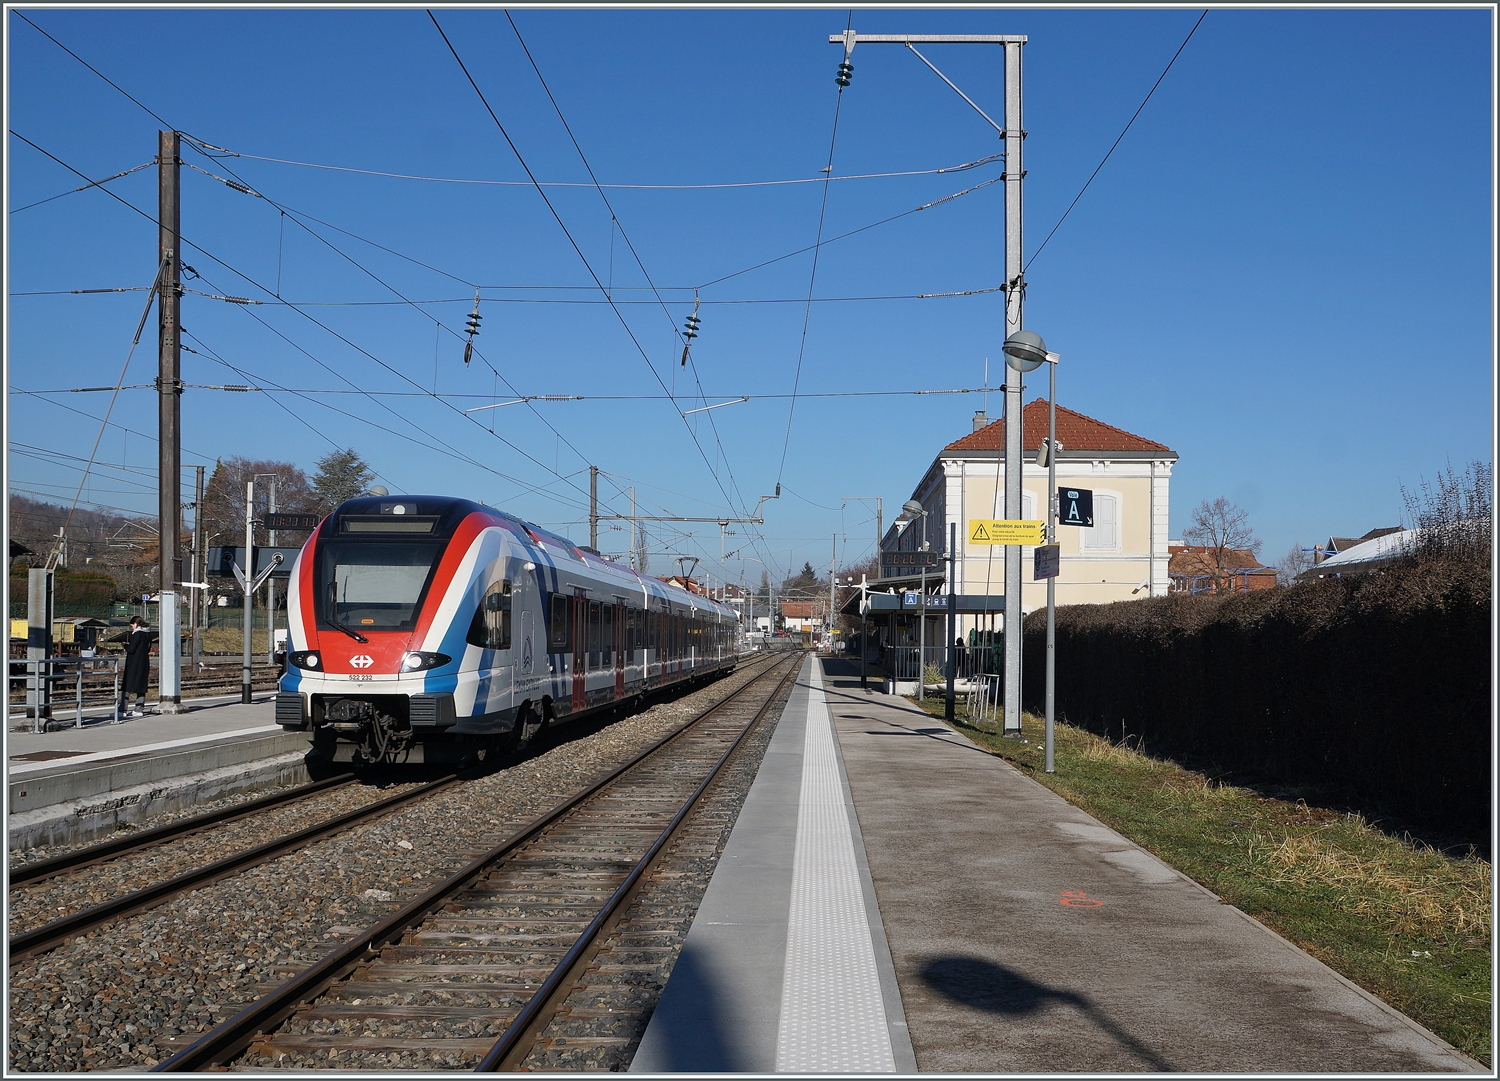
(309, 659)
(420, 662)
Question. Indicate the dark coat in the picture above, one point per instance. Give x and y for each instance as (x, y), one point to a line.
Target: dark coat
(138, 661)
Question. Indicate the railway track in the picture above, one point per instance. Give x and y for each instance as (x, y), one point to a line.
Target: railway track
(41, 870)
(472, 971)
(53, 934)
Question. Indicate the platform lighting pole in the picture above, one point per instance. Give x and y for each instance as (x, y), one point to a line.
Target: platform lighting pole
(195, 616)
(833, 588)
(169, 415)
(1051, 539)
(864, 644)
(249, 579)
(1015, 287)
(271, 583)
(952, 615)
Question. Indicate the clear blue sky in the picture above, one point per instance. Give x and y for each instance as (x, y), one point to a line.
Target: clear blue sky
(1284, 272)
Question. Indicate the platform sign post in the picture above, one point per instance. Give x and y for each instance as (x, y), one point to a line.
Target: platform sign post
(1047, 562)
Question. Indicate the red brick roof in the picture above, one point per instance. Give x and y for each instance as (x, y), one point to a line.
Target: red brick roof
(797, 609)
(1075, 432)
(1200, 559)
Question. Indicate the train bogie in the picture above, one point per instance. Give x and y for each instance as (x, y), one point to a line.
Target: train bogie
(431, 629)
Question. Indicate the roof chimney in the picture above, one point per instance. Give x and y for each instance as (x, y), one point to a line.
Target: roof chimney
(980, 420)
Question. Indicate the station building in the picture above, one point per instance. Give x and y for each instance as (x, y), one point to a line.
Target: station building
(1123, 556)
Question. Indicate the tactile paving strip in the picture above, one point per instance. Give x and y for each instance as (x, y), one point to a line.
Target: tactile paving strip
(832, 1014)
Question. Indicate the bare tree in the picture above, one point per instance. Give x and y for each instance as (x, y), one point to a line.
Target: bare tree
(224, 497)
(1293, 564)
(1221, 529)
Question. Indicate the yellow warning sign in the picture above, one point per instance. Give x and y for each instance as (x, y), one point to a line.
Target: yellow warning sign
(1006, 531)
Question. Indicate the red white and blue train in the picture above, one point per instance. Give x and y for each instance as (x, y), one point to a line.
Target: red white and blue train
(435, 629)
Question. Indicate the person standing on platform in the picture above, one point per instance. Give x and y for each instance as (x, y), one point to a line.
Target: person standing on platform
(137, 668)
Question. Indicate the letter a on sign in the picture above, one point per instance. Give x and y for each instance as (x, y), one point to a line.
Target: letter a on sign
(1076, 506)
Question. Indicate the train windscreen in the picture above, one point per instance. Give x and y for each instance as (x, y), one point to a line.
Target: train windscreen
(367, 586)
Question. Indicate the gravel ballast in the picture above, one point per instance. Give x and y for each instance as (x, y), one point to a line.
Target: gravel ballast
(126, 996)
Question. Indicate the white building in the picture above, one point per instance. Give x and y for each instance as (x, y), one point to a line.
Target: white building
(1123, 555)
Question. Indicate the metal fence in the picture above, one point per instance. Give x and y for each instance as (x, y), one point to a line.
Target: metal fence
(48, 679)
(969, 662)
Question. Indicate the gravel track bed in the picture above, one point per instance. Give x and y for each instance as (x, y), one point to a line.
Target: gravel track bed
(33, 905)
(124, 996)
(600, 1024)
(20, 857)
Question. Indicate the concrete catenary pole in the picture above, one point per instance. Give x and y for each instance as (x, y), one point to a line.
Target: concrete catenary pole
(169, 433)
(1014, 465)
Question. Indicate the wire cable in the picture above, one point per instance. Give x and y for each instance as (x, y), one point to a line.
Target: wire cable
(288, 212)
(813, 277)
(633, 187)
(145, 311)
(83, 187)
(579, 251)
(616, 224)
(232, 269)
(1116, 143)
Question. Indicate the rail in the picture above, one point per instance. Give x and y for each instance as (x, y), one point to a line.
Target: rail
(171, 831)
(51, 935)
(232, 1036)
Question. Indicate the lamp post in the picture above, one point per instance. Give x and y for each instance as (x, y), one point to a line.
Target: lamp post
(1025, 351)
(864, 632)
(911, 510)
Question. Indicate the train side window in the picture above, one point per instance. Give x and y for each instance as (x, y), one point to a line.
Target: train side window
(491, 626)
(607, 635)
(558, 639)
(593, 640)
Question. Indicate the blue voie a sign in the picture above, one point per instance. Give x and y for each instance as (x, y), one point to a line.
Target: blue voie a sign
(1075, 506)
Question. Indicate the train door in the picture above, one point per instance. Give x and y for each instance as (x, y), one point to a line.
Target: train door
(620, 646)
(527, 667)
(580, 644)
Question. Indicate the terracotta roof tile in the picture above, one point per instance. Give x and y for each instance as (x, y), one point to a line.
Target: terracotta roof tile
(1075, 432)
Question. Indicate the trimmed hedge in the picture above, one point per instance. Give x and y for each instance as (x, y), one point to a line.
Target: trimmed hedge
(1373, 688)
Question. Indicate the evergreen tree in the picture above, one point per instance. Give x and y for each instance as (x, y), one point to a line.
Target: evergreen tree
(341, 475)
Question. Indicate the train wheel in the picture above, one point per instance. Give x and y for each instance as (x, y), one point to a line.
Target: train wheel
(529, 723)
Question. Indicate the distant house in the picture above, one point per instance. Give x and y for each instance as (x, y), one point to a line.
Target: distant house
(1195, 569)
(1375, 550)
(1336, 545)
(801, 617)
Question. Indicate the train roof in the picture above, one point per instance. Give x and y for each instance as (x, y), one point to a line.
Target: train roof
(405, 516)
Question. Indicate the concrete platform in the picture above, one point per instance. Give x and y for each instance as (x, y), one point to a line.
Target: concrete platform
(1009, 931)
(79, 783)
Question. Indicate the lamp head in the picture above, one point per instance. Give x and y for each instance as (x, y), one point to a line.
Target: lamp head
(1025, 351)
(379, 490)
(912, 509)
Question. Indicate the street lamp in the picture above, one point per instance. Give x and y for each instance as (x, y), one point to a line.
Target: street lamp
(911, 510)
(1025, 351)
